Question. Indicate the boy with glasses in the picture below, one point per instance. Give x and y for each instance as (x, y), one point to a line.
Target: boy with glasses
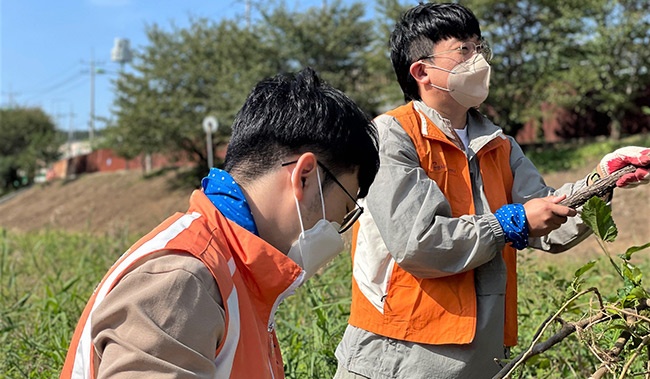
(196, 297)
(434, 276)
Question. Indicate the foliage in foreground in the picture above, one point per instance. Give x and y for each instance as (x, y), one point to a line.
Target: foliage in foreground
(594, 329)
(45, 280)
(47, 277)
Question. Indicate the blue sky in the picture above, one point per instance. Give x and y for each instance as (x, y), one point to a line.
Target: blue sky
(46, 47)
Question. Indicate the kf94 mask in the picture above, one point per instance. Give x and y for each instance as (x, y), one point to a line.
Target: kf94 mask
(468, 82)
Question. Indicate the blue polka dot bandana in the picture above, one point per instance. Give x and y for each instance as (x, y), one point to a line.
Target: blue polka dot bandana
(228, 198)
(512, 218)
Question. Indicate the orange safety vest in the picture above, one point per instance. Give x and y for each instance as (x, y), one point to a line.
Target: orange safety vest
(442, 310)
(251, 275)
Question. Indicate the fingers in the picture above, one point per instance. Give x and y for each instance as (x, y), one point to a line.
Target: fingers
(640, 160)
(555, 199)
(634, 155)
(557, 209)
(545, 215)
(640, 176)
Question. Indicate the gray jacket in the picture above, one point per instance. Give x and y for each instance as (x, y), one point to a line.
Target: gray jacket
(408, 222)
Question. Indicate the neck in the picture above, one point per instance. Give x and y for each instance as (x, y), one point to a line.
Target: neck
(446, 106)
(265, 205)
(457, 115)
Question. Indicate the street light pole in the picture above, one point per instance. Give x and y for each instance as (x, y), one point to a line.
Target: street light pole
(210, 125)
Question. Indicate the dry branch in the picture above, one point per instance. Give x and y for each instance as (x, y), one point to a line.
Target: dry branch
(612, 355)
(566, 330)
(600, 188)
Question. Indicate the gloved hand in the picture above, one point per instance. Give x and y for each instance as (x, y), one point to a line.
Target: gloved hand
(634, 155)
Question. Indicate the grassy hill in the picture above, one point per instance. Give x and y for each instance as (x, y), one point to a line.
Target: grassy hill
(127, 202)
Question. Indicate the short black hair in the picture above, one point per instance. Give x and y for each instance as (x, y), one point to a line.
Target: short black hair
(419, 29)
(297, 113)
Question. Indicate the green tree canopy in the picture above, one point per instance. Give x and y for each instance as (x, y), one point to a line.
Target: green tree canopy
(609, 68)
(582, 55)
(336, 41)
(28, 140)
(182, 76)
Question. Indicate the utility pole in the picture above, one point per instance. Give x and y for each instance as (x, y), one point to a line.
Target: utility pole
(248, 14)
(70, 126)
(10, 97)
(91, 126)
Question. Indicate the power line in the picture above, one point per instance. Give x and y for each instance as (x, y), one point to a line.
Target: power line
(10, 96)
(65, 85)
(55, 77)
(59, 84)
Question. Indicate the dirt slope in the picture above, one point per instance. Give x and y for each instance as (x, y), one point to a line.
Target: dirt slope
(109, 202)
(97, 203)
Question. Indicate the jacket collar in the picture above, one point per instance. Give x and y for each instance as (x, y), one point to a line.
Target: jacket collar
(480, 129)
(269, 275)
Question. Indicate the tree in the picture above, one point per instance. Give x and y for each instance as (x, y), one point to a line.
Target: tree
(380, 68)
(533, 41)
(611, 69)
(184, 75)
(584, 56)
(28, 141)
(337, 42)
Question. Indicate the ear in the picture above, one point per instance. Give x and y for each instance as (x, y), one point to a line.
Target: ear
(419, 73)
(305, 167)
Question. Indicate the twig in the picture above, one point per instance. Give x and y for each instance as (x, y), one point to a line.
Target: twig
(567, 329)
(630, 313)
(644, 342)
(647, 366)
(612, 355)
(599, 188)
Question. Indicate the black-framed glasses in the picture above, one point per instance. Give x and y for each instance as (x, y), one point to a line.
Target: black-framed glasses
(351, 217)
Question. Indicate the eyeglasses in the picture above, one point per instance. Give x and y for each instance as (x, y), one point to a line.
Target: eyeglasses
(351, 217)
(468, 49)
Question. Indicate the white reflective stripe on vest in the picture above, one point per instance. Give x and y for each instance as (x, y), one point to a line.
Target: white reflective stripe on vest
(226, 357)
(81, 368)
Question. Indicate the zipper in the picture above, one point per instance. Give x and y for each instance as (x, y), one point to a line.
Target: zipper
(271, 324)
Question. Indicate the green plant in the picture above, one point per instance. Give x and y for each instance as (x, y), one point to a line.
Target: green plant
(45, 280)
(612, 329)
(311, 323)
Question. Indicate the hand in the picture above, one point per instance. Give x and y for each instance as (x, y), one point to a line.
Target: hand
(634, 155)
(546, 214)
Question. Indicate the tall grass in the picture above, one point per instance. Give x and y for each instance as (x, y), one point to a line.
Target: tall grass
(45, 280)
(47, 277)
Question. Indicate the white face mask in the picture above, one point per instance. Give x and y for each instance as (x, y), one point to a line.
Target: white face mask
(317, 246)
(468, 82)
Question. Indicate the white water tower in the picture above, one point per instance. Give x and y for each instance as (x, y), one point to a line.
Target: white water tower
(121, 52)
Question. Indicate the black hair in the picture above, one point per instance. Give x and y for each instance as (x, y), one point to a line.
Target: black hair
(419, 29)
(297, 113)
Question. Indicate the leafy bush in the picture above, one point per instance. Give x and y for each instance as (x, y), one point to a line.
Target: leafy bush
(591, 332)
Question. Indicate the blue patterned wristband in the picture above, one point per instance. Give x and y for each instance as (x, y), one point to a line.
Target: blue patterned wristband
(512, 218)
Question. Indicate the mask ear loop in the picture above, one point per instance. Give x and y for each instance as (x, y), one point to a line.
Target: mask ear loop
(302, 227)
(320, 188)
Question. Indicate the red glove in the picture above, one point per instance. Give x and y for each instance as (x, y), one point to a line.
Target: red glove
(634, 155)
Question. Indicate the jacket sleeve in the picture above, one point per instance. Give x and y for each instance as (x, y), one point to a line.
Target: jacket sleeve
(164, 319)
(414, 218)
(529, 184)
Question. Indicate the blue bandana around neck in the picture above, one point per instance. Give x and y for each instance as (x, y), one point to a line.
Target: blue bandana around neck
(227, 196)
